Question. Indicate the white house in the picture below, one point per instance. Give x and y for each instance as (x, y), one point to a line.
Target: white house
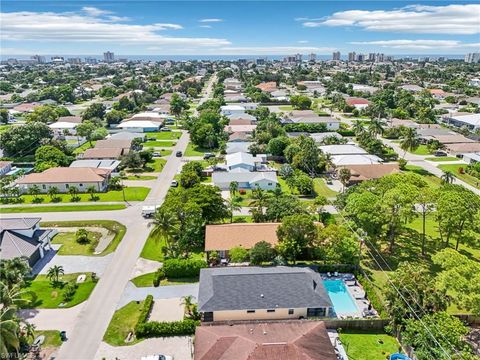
(60, 127)
(139, 126)
(265, 180)
(232, 110)
(471, 121)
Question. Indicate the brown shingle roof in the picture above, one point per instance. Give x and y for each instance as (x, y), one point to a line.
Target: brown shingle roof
(113, 143)
(102, 153)
(292, 340)
(70, 119)
(66, 175)
(225, 237)
(371, 171)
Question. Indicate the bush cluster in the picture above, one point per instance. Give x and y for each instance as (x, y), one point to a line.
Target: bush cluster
(159, 276)
(158, 329)
(182, 268)
(146, 308)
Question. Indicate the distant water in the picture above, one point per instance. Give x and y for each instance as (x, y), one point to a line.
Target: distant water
(210, 57)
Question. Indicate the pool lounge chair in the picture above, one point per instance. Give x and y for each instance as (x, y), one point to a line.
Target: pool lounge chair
(329, 274)
(335, 273)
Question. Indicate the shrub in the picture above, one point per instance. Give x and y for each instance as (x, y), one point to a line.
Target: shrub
(372, 296)
(81, 236)
(181, 268)
(159, 276)
(70, 290)
(261, 252)
(158, 329)
(238, 254)
(146, 308)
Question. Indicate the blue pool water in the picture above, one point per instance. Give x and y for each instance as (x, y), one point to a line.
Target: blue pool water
(341, 299)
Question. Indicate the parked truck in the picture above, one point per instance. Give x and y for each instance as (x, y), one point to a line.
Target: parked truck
(149, 210)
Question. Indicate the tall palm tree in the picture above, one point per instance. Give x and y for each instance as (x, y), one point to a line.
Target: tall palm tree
(410, 141)
(259, 200)
(9, 332)
(55, 272)
(53, 192)
(358, 128)
(166, 226)
(187, 301)
(376, 127)
(92, 191)
(73, 191)
(11, 297)
(233, 188)
(233, 205)
(448, 177)
(344, 176)
(34, 191)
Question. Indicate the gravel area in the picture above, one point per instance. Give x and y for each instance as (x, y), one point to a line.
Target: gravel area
(167, 310)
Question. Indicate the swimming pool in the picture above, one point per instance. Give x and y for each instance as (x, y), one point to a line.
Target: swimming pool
(343, 303)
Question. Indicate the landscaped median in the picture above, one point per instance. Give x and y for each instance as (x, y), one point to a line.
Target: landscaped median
(60, 208)
(70, 246)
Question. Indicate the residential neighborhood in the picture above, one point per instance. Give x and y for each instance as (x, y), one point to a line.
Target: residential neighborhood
(307, 203)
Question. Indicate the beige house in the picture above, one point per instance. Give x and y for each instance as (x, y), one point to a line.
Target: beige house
(64, 178)
(257, 293)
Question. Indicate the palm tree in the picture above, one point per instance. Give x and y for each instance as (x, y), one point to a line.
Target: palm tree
(448, 177)
(73, 191)
(233, 205)
(319, 205)
(410, 141)
(358, 128)
(233, 188)
(28, 330)
(9, 331)
(54, 273)
(376, 127)
(13, 271)
(11, 297)
(92, 191)
(187, 301)
(53, 191)
(344, 176)
(166, 226)
(34, 191)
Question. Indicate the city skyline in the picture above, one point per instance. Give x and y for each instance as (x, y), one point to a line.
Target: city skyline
(231, 28)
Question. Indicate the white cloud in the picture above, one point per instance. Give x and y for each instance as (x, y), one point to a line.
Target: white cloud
(419, 44)
(74, 27)
(303, 41)
(449, 19)
(272, 50)
(205, 26)
(211, 20)
(93, 11)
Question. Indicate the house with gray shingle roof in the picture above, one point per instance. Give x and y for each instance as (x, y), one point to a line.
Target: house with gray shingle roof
(23, 237)
(257, 293)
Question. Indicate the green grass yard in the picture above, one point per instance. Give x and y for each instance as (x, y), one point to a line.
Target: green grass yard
(140, 177)
(43, 295)
(156, 165)
(158, 144)
(321, 188)
(163, 135)
(83, 147)
(454, 169)
(152, 250)
(71, 247)
(286, 107)
(52, 338)
(441, 159)
(431, 179)
(122, 323)
(193, 150)
(61, 208)
(368, 346)
(421, 150)
(146, 280)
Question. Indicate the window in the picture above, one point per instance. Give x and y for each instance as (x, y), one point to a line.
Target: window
(80, 184)
(44, 187)
(67, 186)
(270, 184)
(290, 311)
(270, 310)
(250, 311)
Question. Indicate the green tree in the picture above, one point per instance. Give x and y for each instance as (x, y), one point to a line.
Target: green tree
(448, 177)
(132, 160)
(51, 155)
(45, 114)
(426, 205)
(165, 226)
(23, 140)
(304, 184)
(4, 116)
(261, 252)
(81, 236)
(376, 127)
(301, 102)
(92, 191)
(295, 235)
(189, 178)
(344, 176)
(177, 105)
(114, 117)
(54, 273)
(233, 187)
(410, 141)
(233, 205)
(73, 191)
(9, 332)
(238, 254)
(14, 271)
(336, 244)
(87, 130)
(53, 192)
(96, 110)
(276, 146)
(34, 190)
(319, 206)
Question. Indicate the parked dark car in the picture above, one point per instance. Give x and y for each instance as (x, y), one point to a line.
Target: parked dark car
(440, 153)
(178, 154)
(207, 156)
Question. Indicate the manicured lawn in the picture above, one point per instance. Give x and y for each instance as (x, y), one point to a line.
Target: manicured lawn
(61, 208)
(141, 177)
(193, 150)
(242, 219)
(165, 152)
(368, 346)
(146, 280)
(44, 295)
(114, 228)
(71, 247)
(321, 188)
(52, 338)
(164, 143)
(156, 165)
(179, 281)
(440, 158)
(422, 150)
(163, 135)
(131, 194)
(152, 250)
(453, 168)
(123, 322)
(83, 147)
(286, 107)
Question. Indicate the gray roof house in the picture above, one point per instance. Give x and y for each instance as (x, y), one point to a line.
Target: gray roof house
(265, 180)
(23, 237)
(257, 293)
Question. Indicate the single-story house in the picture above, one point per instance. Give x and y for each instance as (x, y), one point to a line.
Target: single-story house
(471, 121)
(357, 103)
(23, 237)
(60, 127)
(320, 137)
(111, 165)
(239, 137)
(227, 110)
(364, 88)
(257, 293)
(242, 161)
(102, 154)
(245, 116)
(471, 158)
(310, 117)
(457, 149)
(247, 129)
(452, 139)
(26, 107)
(240, 121)
(269, 86)
(370, 171)
(125, 135)
(123, 144)
(342, 149)
(438, 93)
(65, 177)
(139, 126)
(411, 88)
(153, 116)
(5, 167)
(359, 159)
(237, 146)
(222, 238)
(287, 340)
(265, 180)
(71, 119)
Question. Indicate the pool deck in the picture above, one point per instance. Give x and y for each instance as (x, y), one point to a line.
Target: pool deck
(356, 292)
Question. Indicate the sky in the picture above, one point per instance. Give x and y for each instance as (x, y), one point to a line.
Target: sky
(155, 27)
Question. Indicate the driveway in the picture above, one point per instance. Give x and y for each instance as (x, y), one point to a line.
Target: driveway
(167, 310)
(52, 319)
(73, 263)
(179, 347)
(132, 293)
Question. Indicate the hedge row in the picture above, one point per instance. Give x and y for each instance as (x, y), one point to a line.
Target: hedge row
(372, 296)
(181, 268)
(159, 276)
(147, 307)
(158, 329)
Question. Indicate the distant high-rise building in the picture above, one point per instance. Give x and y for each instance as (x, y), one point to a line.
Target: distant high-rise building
(90, 60)
(336, 55)
(312, 57)
(472, 58)
(74, 60)
(371, 57)
(352, 56)
(361, 57)
(298, 57)
(57, 59)
(379, 57)
(260, 61)
(108, 56)
(39, 59)
(290, 59)
(441, 59)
